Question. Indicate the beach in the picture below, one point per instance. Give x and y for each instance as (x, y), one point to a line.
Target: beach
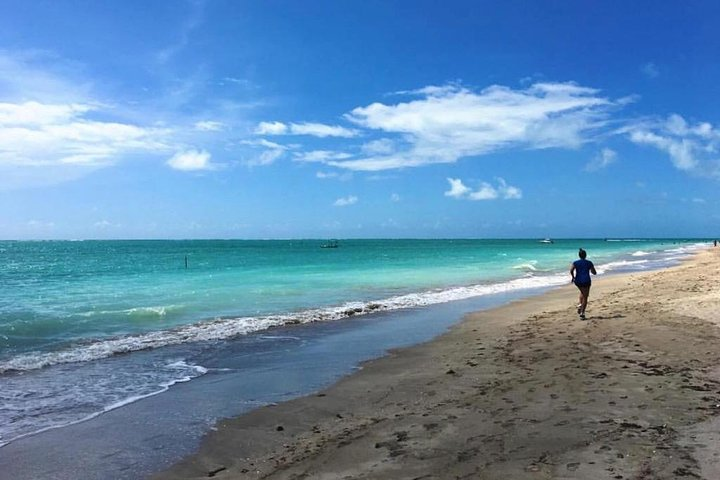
(526, 390)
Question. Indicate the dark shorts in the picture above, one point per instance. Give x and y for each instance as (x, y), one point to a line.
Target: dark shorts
(583, 285)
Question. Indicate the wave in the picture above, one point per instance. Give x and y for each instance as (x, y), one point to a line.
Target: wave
(620, 264)
(528, 266)
(640, 253)
(151, 311)
(224, 328)
(34, 414)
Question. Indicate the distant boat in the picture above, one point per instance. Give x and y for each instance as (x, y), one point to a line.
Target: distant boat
(330, 244)
(546, 240)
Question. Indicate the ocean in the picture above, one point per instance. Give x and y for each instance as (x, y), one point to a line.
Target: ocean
(89, 327)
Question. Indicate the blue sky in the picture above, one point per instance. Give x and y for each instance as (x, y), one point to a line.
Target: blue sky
(287, 119)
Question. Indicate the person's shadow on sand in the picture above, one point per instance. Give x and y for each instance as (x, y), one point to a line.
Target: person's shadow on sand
(605, 317)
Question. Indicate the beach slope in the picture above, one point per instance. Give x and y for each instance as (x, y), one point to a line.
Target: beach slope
(525, 391)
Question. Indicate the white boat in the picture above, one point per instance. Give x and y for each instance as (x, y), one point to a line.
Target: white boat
(546, 240)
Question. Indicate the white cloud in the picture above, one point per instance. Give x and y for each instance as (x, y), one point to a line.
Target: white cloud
(443, 124)
(449, 122)
(345, 201)
(312, 129)
(34, 134)
(209, 126)
(271, 128)
(484, 192)
(691, 148)
(457, 188)
(320, 130)
(394, 197)
(698, 200)
(56, 125)
(508, 192)
(191, 160)
(602, 160)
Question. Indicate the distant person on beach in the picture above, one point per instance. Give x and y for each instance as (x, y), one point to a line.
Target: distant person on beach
(715, 243)
(580, 273)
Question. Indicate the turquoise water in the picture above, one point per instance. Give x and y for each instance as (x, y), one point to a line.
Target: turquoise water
(56, 294)
(66, 307)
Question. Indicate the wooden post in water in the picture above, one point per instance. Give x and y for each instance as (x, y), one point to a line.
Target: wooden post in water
(185, 262)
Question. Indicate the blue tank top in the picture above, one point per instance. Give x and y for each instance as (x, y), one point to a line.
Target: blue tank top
(582, 271)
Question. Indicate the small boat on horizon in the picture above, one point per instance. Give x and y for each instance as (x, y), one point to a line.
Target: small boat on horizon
(546, 240)
(330, 244)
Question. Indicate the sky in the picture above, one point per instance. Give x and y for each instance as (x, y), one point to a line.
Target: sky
(359, 119)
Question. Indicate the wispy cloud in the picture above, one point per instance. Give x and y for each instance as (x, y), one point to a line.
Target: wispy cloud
(382, 146)
(40, 76)
(34, 133)
(345, 201)
(601, 160)
(692, 148)
(450, 122)
(191, 23)
(343, 177)
(485, 191)
(443, 124)
(312, 129)
(650, 70)
(268, 157)
(55, 127)
(324, 175)
(320, 156)
(273, 151)
(209, 126)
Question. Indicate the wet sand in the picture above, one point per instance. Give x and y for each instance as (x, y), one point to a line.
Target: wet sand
(525, 391)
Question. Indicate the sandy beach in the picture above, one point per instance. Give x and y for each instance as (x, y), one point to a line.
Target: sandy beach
(525, 391)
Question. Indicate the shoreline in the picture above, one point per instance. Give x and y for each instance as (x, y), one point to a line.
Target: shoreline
(521, 391)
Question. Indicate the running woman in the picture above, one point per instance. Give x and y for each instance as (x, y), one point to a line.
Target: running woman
(580, 273)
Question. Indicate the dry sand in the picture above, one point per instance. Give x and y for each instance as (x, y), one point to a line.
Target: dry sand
(526, 391)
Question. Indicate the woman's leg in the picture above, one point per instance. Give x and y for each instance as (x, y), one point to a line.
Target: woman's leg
(584, 295)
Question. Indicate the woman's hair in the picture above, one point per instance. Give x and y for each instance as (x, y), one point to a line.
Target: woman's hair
(582, 254)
